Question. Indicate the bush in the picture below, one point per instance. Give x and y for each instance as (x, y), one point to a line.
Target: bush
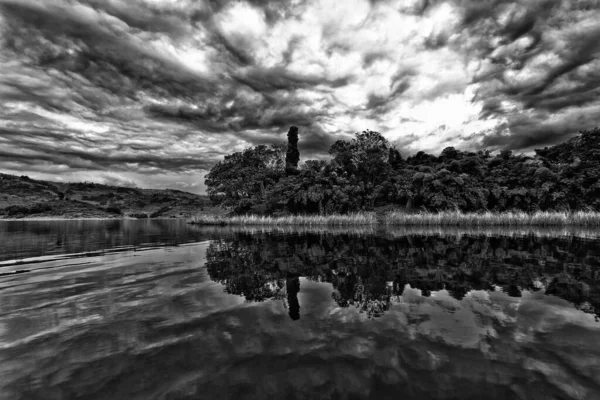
(127, 190)
(37, 208)
(139, 215)
(113, 210)
(160, 212)
(161, 198)
(16, 210)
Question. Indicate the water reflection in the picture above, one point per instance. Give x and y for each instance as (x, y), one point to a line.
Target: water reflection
(271, 315)
(372, 272)
(25, 239)
(566, 232)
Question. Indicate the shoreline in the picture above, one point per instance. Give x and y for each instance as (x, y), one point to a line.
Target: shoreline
(411, 230)
(588, 219)
(30, 219)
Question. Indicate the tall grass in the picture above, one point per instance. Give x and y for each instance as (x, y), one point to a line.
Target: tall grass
(397, 231)
(301, 220)
(456, 218)
(396, 218)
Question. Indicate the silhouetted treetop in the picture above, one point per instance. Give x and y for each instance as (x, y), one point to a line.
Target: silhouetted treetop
(292, 155)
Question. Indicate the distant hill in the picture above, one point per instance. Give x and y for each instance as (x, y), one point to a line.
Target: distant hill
(21, 196)
(583, 148)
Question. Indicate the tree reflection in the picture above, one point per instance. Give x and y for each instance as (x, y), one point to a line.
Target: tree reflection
(292, 286)
(371, 272)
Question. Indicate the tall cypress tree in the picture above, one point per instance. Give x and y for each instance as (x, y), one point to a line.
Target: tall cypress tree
(292, 156)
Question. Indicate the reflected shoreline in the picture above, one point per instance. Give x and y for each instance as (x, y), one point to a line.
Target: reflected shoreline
(30, 242)
(370, 271)
(586, 233)
(336, 313)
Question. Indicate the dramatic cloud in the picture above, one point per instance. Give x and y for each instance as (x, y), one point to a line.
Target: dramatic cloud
(154, 92)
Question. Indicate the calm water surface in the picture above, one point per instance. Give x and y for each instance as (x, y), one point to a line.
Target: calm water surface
(24, 239)
(164, 310)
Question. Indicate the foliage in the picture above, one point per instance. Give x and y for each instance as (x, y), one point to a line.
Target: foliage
(139, 215)
(160, 212)
(113, 210)
(367, 172)
(443, 218)
(292, 155)
(371, 272)
(364, 162)
(241, 180)
(37, 208)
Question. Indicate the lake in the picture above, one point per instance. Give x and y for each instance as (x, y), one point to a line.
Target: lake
(158, 309)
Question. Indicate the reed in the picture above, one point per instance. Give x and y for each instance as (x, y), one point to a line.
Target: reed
(517, 218)
(300, 220)
(396, 231)
(396, 218)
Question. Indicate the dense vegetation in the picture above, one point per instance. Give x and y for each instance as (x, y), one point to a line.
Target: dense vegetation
(368, 173)
(22, 210)
(371, 272)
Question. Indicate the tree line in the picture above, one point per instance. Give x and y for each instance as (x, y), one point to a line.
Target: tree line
(369, 173)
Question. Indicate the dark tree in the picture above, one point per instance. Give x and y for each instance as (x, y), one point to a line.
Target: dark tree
(292, 156)
(365, 162)
(292, 287)
(394, 158)
(241, 180)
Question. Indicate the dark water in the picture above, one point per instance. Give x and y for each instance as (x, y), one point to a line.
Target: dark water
(299, 315)
(24, 239)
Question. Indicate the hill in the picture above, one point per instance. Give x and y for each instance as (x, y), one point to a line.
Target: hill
(21, 196)
(583, 148)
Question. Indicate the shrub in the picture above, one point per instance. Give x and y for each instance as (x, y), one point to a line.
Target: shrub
(113, 210)
(16, 210)
(139, 215)
(160, 212)
(37, 208)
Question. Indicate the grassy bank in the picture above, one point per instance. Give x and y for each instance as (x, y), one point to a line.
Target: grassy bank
(397, 231)
(508, 219)
(453, 218)
(301, 220)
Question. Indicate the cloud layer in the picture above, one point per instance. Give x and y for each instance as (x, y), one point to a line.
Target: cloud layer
(156, 91)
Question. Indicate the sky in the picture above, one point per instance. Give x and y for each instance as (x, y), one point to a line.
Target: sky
(153, 93)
